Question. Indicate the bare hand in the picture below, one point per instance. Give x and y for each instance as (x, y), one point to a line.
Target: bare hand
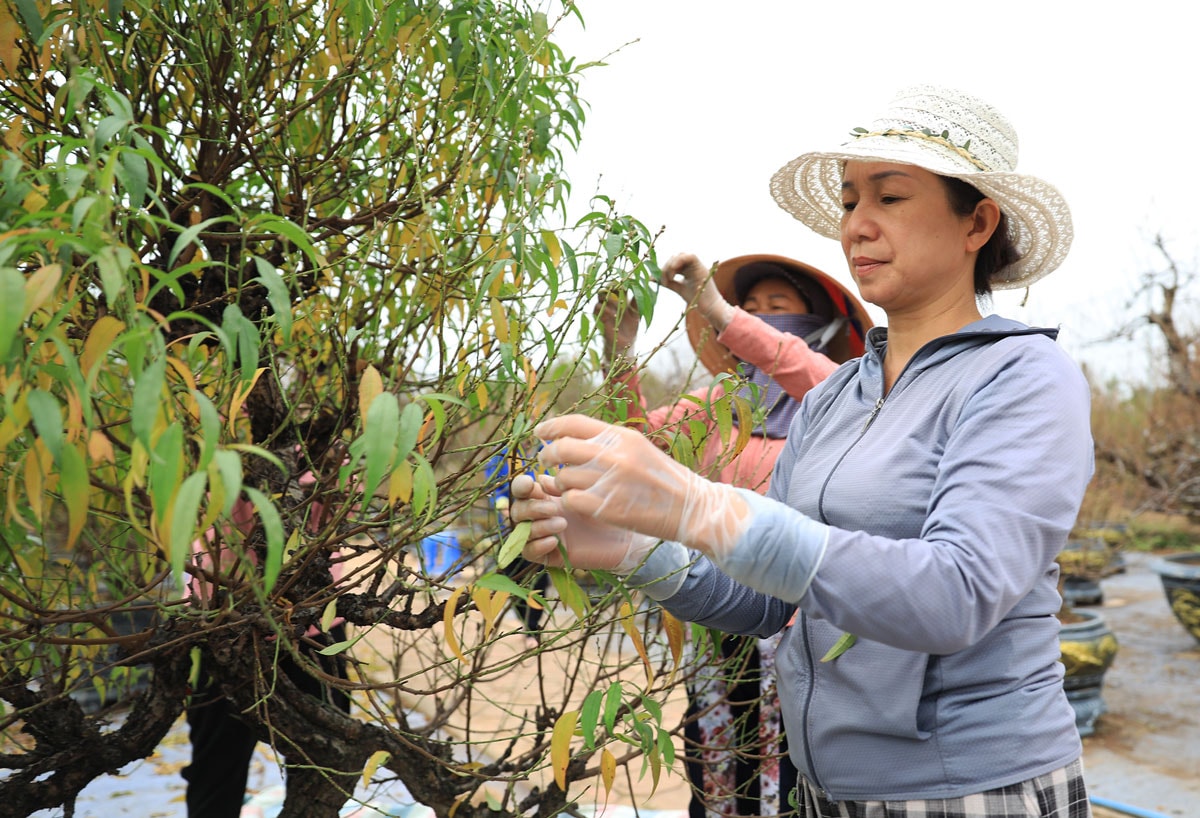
(685, 274)
(619, 325)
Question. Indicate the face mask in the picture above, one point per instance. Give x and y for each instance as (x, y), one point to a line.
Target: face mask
(763, 393)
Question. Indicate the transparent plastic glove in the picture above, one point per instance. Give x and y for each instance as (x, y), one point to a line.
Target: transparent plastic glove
(685, 274)
(618, 477)
(589, 544)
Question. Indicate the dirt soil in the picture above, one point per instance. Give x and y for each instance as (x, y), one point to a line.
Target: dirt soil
(1144, 754)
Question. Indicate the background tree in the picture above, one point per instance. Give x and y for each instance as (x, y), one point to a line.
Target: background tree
(307, 259)
(1147, 444)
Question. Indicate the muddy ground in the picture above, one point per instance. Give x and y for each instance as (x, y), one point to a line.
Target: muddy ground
(1145, 751)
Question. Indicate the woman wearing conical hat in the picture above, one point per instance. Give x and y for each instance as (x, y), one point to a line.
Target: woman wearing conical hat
(782, 326)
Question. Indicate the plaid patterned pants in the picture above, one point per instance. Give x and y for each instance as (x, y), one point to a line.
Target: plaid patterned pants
(1058, 794)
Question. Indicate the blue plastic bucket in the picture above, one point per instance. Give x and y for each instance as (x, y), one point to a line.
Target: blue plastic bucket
(439, 552)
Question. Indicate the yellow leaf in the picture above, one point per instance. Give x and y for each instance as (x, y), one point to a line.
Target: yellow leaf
(457, 803)
(239, 398)
(560, 746)
(482, 598)
(500, 319)
(608, 770)
(552, 246)
(557, 305)
(400, 483)
(99, 341)
(448, 623)
(626, 614)
(674, 629)
(377, 758)
(327, 617)
(34, 200)
(481, 394)
(370, 386)
(40, 286)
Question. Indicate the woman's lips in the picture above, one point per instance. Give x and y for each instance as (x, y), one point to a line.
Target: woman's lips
(864, 265)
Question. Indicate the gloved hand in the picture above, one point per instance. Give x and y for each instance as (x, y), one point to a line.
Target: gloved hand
(617, 477)
(685, 274)
(619, 324)
(589, 544)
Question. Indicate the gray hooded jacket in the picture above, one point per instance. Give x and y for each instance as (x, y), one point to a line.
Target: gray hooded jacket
(926, 523)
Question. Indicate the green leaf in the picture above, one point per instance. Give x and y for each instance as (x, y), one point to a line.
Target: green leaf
(424, 499)
(134, 177)
(277, 296)
(843, 644)
(514, 543)
(273, 529)
(111, 263)
(166, 466)
(188, 236)
(569, 591)
(666, 746)
(612, 706)
(32, 19)
(589, 717)
(499, 582)
(12, 308)
(183, 522)
(291, 232)
(194, 669)
(410, 427)
(210, 429)
(654, 708)
(46, 414)
(73, 482)
(147, 400)
(229, 466)
(379, 438)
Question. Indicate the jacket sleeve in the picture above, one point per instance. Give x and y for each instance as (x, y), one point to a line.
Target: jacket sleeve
(785, 357)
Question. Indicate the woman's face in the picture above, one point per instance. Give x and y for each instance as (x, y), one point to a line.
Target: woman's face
(907, 249)
(774, 296)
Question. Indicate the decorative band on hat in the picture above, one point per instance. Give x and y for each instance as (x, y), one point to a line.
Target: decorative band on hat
(942, 139)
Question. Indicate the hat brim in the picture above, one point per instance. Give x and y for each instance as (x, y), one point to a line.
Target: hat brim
(716, 357)
(1039, 220)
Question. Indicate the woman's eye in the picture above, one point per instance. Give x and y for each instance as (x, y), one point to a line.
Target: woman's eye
(848, 206)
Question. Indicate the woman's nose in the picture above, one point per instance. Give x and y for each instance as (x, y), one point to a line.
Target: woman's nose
(858, 224)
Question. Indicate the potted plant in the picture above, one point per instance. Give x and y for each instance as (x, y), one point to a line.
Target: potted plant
(1180, 575)
(1088, 645)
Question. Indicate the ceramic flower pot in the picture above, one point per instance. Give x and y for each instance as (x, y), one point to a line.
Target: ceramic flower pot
(1180, 575)
(1088, 648)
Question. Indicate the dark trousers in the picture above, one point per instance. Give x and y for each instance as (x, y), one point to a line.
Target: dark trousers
(222, 744)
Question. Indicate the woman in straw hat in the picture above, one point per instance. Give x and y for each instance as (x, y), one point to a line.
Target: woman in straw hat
(919, 504)
(782, 326)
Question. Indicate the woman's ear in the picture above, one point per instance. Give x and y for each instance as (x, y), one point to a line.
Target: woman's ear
(983, 224)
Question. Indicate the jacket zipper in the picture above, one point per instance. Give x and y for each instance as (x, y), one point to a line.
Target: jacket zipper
(808, 697)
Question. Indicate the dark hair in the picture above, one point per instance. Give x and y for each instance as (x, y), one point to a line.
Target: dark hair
(1000, 251)
(811, 293)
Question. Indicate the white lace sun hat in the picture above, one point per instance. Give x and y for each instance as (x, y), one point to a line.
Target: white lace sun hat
(949, 133)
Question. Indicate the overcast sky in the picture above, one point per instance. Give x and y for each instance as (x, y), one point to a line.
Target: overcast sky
(703, 101)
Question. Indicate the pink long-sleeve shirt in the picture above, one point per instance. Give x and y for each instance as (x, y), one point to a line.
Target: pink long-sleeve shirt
(785, 357)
